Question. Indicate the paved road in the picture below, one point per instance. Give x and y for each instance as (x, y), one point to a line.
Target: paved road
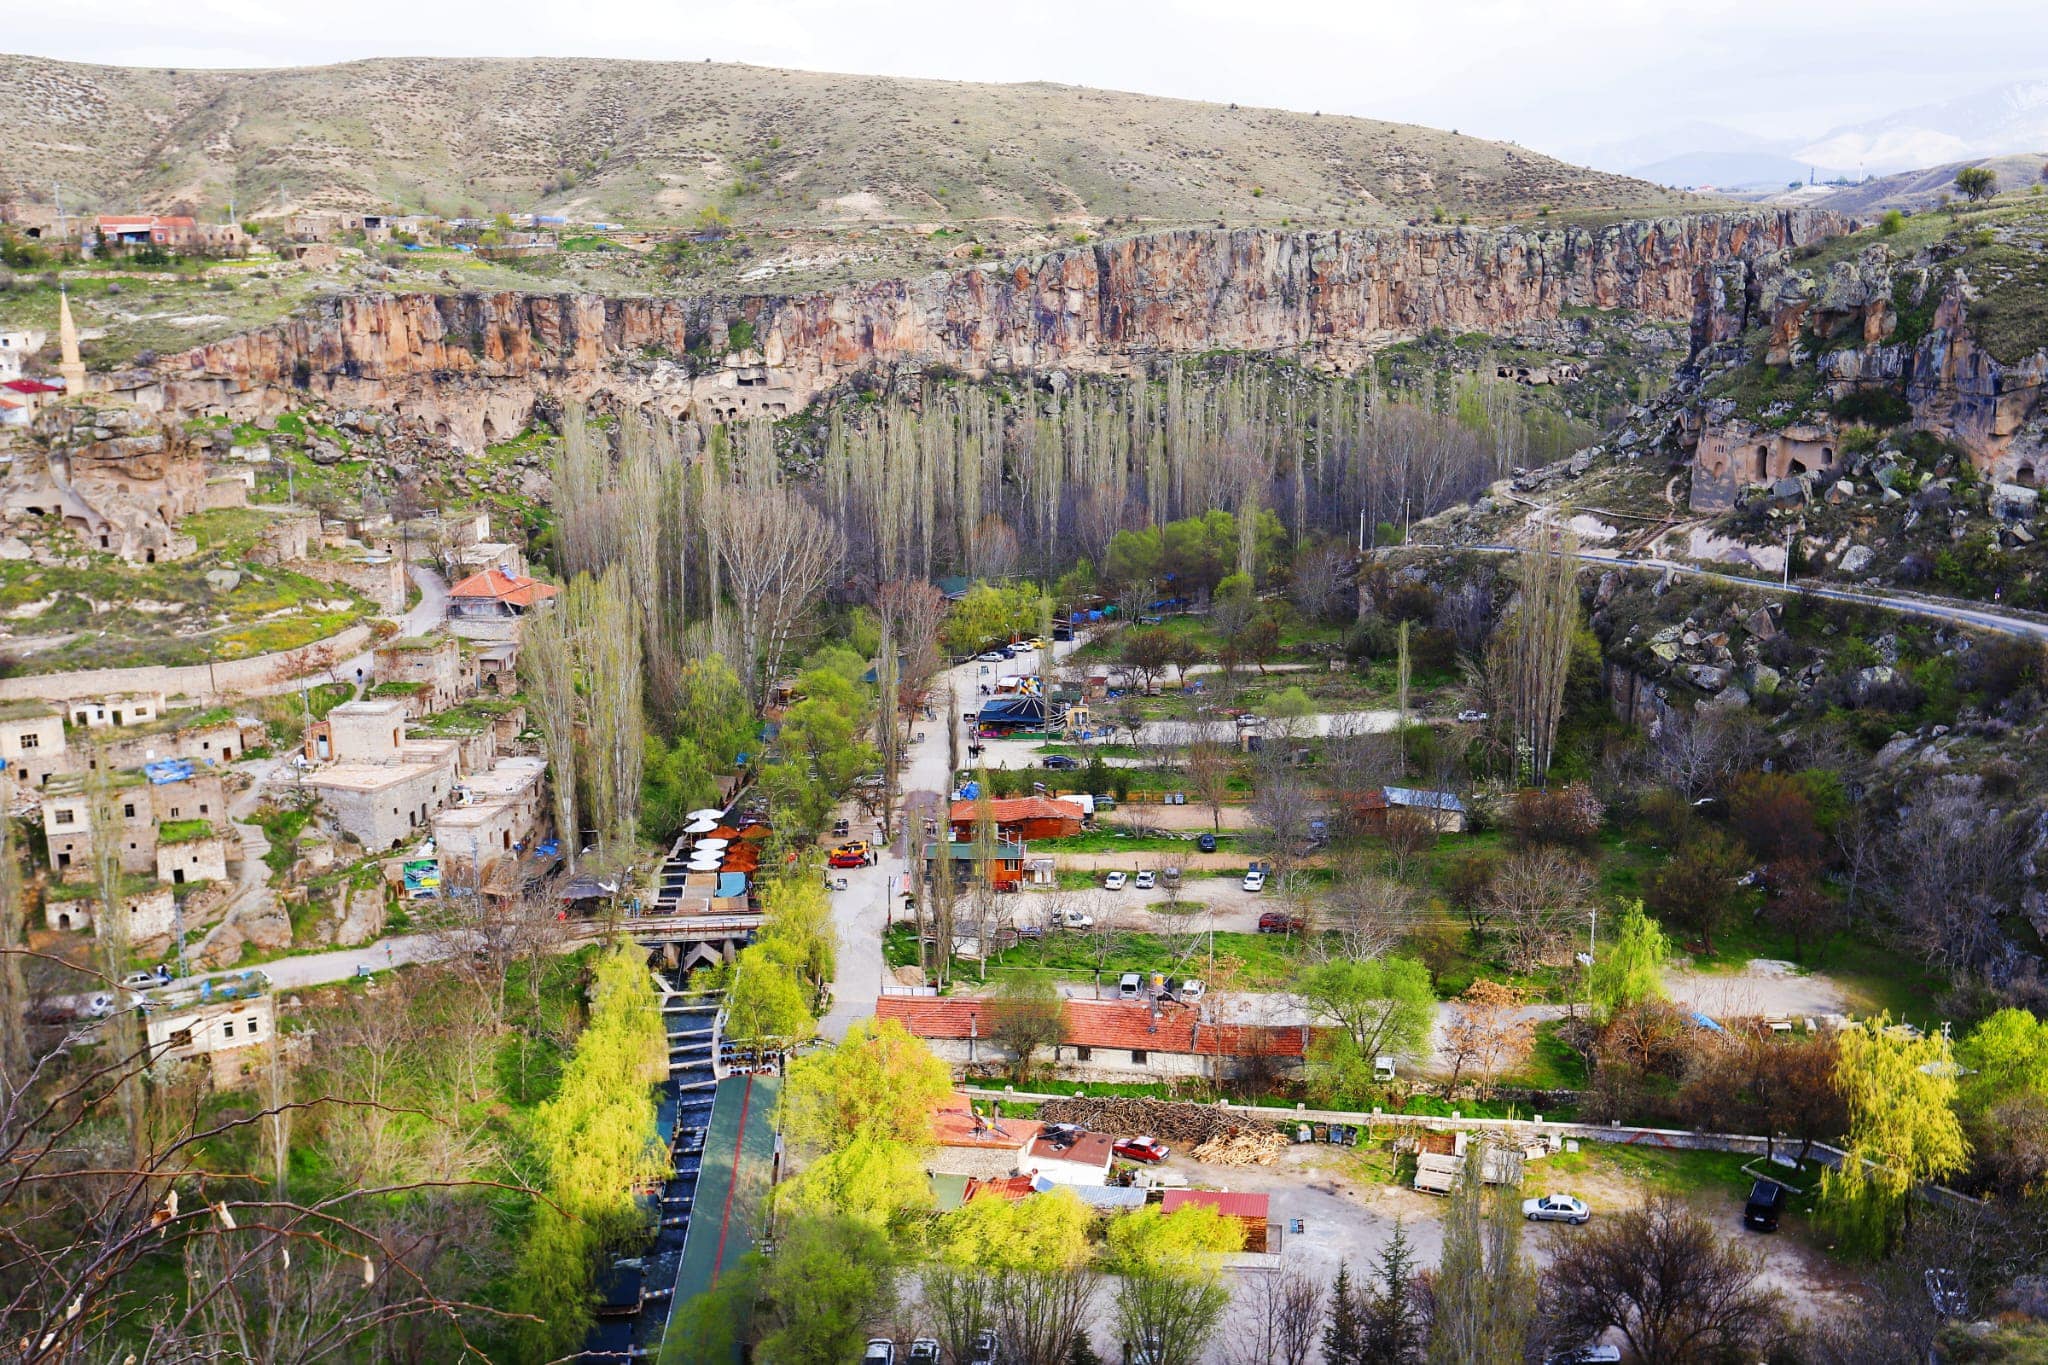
(1933, 608)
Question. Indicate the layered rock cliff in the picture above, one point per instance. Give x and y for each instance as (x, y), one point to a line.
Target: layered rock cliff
(1799, 365)
(471, 365)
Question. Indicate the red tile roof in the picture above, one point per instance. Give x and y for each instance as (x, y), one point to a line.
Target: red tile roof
(1016, 809)
(1011, 1187)
(1102, 1023)
(1089, 1149)
(31, 386)
(1226, 1202)
(495, 585)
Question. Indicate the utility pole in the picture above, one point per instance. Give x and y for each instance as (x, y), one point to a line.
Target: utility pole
(1790, 536)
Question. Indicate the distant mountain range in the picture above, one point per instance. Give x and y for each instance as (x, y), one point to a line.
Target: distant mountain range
(2005, 120)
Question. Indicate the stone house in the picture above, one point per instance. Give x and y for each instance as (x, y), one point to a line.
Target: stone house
(118, 708)
(433, 660)
(1106, 1040)
(32, 743)
(493, 819)
(383, 804)
(213, 736)
(489, 605)
(217, 1032)
(1068, 1158)
(365, 731)
(193, 851)
(152, 912)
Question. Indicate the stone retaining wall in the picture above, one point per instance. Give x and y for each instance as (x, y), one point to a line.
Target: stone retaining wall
(202, 682)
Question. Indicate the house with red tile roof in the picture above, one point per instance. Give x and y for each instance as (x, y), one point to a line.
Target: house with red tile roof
(1066, 1157)
(1019, 817)
(1105, 1040)
(970, 1143)
(489, 604)
(1250, 1210)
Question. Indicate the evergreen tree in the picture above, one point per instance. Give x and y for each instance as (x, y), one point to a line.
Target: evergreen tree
(1344, 1333)
(1393, 1333)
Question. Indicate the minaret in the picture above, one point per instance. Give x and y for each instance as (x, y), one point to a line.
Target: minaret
(69, 366)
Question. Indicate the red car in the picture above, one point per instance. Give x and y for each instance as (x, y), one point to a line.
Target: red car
(1274, 922)
(1143, 1149)
(849, 860)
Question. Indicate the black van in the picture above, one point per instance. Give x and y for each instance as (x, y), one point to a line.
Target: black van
(1766, 1202)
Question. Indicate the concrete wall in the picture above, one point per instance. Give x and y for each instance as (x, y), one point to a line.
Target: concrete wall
(200, 860)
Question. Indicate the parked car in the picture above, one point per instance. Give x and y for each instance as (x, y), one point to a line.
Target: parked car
(1072, 919)
(1170, 879)
(1470, 717)
(1766, 1201)
(1255, 882)
(1114, 882)
(880, 1351)
(986, 1351)
(1150, 1151)
(1593, 1353)
(1556, 1208)
(993, 656)
(1190, 991)
(1274, 922)
(1144, 882)
(141, 981)
(1158, 1180)
(1130, 986)
(924, 1351)
(1206, 843)
(841, 858)
(1062, 763)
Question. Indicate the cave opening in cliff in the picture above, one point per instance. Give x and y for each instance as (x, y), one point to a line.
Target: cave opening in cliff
(2025, 477)
(1798, 468)
(1763, 462)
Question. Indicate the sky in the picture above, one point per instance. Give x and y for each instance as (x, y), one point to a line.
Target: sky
(1562, 76)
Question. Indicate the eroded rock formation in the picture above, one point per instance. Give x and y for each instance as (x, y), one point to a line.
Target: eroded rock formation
(470, 366)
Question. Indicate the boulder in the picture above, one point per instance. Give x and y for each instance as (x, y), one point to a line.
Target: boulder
(1865, 682)
(1763, 679)
(1857, 559)
(2013, 501)
(1707, 677)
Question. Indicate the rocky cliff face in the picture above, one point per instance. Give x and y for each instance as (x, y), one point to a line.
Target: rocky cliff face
(1817, 360)
(471, 366)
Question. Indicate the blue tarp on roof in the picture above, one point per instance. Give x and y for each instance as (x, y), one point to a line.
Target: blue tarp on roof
(168, 770)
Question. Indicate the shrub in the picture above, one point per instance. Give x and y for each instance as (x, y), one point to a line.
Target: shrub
(1873, 407)
(1892, 221)
(1569, 815)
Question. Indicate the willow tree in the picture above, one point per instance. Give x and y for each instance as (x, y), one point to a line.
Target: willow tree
(1532, 650)
(1904, 1131)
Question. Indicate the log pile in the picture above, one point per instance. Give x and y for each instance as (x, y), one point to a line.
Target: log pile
(1202, 1131)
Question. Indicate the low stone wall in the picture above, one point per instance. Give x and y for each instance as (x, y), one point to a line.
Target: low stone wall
(203, 682)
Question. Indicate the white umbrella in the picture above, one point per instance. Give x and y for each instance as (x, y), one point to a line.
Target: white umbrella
(708, 813)
(700, 827)
(710, 845)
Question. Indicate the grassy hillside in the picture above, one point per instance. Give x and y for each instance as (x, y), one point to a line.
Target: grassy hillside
(657, 141)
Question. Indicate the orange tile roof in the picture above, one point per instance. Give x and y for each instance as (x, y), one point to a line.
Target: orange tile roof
(1011, 1187)
(1013, 809)
(495, 585)
(1088, 1149)
(1103, 1023)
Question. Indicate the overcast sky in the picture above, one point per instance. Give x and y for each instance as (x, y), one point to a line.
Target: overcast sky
(1564, 76)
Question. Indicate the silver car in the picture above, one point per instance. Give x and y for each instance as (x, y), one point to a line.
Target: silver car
(1556, 1208)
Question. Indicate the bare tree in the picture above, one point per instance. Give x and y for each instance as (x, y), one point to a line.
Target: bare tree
(547, 660)
(1277, 1319)
(778, 553)
(1283, 805)
(1535, 896)
(1951, 882)
(1532, 649)
(1487, 1033)
(1366, 914)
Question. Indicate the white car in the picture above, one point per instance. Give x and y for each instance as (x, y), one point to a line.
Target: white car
(992, 657)
(1144, 882)
(1191, 990)
(1113, 882)
(880, 1351)
(1072, 919)
(1473, 717)
(142, 981)
(1594, 1354)
(1130, 986)
(1556, 1208)
(1255, 882)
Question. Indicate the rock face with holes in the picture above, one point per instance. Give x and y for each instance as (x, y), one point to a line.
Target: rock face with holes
(472, 366)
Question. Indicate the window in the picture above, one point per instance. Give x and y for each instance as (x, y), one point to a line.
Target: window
(181, 1039)
(176, 812)
(63, 860)
(128, 810)
(253, 1030)
(64, 816)
(202, 807)
(1082, 1054)
(227, 1028)
(1138, 1056)
(31, 741)
(178, 875)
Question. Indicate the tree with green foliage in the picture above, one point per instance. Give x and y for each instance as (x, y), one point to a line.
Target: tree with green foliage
(1393, 1329)
(1133, 557)
(1380, 1006)
(829, 1276)
(1900, 1090)
(799, 925)
(1631, 969)
(1977, 183)
(1344, 1331)
(879, 1083)
(1029, 1014)
(595, 1143)
(767, 1006)
(876, 1182)
(713, 1327)
(1698, 886)
(1019, 1268)
(1485, 1289)
(1169, 1268)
